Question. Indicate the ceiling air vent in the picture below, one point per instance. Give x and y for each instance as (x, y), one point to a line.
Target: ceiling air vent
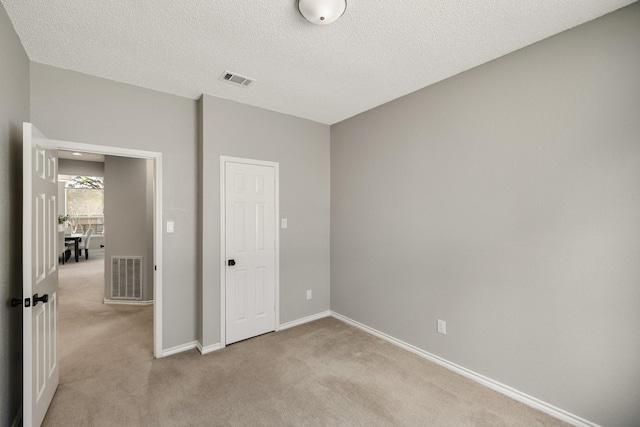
(236, 79)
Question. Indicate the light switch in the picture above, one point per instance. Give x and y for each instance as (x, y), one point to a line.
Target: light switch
(170, 227)
(284, 222)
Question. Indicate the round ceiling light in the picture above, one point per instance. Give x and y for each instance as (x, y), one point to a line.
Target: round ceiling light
(322, 12)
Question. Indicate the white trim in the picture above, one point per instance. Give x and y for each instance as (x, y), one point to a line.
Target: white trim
(223, 244)
(485, 381)
(157, 219)
(179, 348)
(277, 236)
(208, 349)
(126, 302)
(157, 256)
(27, 278)
(276, 166)
(17, 420)
(304, 320)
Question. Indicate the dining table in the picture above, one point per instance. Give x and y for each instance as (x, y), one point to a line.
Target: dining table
(76, 238)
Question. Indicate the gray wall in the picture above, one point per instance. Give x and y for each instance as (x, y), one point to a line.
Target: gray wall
(80, 167)
(506, 201)
(14, 109)
(71, 106)
(129, 221)
(302, 149)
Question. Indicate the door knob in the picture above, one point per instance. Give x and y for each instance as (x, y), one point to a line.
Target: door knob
(231, 262)
(43, 299)
(15, 302)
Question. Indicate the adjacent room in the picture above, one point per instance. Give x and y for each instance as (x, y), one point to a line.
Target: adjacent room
(373, 213)
(105, 282)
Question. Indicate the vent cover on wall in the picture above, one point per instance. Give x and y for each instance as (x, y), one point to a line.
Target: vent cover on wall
(126, 277)
(236, 79)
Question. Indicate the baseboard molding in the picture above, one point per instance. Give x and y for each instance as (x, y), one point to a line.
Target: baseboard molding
(209, 348)
(126, 302)
(179, 348)
(287, 325)
(17, 421)
(304, 320)
(218, 346)
(488, 382)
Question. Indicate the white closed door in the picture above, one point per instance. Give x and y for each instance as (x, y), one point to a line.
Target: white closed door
(250, 254)
(40, 275)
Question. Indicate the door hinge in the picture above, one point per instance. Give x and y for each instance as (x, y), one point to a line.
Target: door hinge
(155, 268)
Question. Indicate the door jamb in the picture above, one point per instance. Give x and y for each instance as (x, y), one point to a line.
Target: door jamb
(157, 219)
(223, 241)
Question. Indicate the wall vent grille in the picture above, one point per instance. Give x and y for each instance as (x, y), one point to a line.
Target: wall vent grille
(236, 79)
(126, 277)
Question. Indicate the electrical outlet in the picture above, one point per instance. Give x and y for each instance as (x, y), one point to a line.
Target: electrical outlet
(442, 327)
(284, 223)
(309, 294)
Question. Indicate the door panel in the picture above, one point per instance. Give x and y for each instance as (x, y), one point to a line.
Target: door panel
(40, 275)
(250, 241)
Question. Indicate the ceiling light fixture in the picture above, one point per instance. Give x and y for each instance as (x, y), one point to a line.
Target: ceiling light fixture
(76, 154)
(322, 12)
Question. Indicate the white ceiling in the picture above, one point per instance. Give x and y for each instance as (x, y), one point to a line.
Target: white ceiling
(378, 51)
(85, 157)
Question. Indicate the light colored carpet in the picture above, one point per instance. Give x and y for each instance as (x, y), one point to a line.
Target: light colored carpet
(324, 373)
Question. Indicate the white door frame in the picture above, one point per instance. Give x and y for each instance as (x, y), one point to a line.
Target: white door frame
(223, 239)
(157, 219)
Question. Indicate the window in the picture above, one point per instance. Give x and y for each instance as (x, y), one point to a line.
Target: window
(84, 203)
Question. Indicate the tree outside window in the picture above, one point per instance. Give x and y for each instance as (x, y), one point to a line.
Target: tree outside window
(85, 203)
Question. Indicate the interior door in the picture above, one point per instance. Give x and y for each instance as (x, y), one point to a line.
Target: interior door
(40, 275)
(250, 250)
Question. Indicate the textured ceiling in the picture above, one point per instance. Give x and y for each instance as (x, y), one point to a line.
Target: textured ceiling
(378, 51)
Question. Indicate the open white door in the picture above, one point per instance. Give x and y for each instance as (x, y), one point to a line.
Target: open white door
(40, 275)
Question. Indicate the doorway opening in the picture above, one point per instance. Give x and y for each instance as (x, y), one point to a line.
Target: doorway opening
(105, 281)
(40, 263)
(127, 278)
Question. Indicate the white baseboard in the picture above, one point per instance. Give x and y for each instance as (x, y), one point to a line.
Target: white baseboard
(179, 348)
(209, 348)
(287, 325)
(218, 346)
(126, 302)
(487, 382)
(17, 420)
(304, 320)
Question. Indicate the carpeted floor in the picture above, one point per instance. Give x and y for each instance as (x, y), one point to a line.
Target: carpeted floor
(324, 373)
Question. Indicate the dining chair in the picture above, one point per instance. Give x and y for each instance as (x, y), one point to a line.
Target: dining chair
(84, 245)
(62, 247)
